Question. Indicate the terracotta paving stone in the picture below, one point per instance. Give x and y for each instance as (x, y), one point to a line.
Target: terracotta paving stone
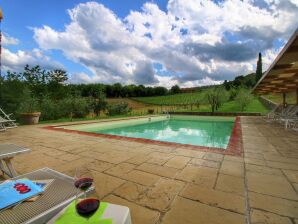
(232, 168)
(69, 157)
(105, 184)
(141, 177)
(295, 186)
(139, 214)
(287, 166)
(159, 158)
(259, 217)
(271, 184)
(162, 194)
(233, 158)
(53, 152)
(80, 167)
(214, 198)
(191, 212)
(111, 157)
(280, 159)
(204, 176)
(99, 165)
(262, 169)
(138, 159)
(189, 153)
(204, 162)
(213, 156)
(292, 175)
(158, 170)
(230, 184)
(178, 162)
(275, 205)
(259, 162)
(120, 169)
(253, 155)
(158, 197)
(131, 191)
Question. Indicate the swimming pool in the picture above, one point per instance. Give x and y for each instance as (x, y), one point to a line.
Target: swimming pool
(193, 130)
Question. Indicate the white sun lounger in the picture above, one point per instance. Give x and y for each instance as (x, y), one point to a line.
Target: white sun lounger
(7, 152)
(6, 121)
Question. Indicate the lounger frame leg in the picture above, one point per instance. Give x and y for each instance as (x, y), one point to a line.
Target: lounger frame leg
(7, 167)
(10, 167)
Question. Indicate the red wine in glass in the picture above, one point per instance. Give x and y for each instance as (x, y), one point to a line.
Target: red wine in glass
(87, 206)
(83, 183)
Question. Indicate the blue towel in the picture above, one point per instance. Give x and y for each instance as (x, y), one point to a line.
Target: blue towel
(9, 195)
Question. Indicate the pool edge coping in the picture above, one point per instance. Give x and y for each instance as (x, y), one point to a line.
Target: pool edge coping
(234, 148)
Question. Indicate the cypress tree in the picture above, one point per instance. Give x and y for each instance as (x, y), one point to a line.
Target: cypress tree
(259, 68)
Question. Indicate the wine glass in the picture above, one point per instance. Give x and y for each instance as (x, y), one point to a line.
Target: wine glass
(86, 206)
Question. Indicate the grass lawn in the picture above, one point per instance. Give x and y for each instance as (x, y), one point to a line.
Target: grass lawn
(277, 98)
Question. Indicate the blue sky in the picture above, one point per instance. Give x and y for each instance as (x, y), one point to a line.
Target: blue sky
(185, 42)
(20, 16)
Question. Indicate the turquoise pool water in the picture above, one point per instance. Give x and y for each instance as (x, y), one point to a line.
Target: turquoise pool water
(199, 132)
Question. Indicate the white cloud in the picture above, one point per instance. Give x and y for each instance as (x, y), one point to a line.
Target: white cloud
(199, 42)
(7, 40)
(16, 61)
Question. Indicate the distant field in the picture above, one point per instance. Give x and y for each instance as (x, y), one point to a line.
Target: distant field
(182, 98)
(182, 102)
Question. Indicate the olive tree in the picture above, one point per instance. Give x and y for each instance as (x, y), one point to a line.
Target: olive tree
(243, 98)
(216, 96)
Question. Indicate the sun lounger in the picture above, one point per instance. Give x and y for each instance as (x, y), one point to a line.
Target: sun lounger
(57, 196)
(291, 123)
(275, 110)
(7, 152)
(6, 120)
(282, 113)
(291, 115)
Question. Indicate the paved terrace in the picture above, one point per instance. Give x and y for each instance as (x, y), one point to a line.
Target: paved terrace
(176, 185)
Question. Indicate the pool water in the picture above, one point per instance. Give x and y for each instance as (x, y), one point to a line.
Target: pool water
(210, 133)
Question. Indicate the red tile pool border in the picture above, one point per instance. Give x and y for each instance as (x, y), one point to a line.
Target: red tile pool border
(235, 146)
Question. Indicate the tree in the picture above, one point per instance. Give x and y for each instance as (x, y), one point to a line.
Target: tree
(216, 96)
(243, 98)
(99, 103)
(175, 89)
(55, 80)
(259, 68)
(226, 84)
(57, 76)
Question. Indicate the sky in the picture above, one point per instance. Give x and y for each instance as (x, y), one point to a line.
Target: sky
(153, 43)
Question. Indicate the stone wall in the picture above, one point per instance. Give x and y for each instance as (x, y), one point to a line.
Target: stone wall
(267, 103)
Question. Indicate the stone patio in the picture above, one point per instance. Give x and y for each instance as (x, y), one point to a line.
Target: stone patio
(171, 185)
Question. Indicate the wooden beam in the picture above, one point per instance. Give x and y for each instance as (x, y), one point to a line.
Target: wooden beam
(297, 96)
(293, 49)
(284, 99)
(282, 66)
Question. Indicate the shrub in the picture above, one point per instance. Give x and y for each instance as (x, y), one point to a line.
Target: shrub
(75, 106)
(98, 103)
(51, 109)
(29, 104)
(117, 109)
(150, 111)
